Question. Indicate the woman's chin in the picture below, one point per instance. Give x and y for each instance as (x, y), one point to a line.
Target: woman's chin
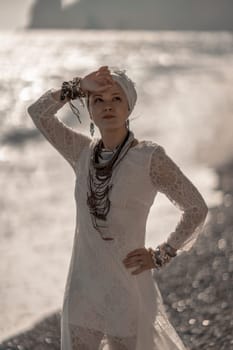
(112, 127)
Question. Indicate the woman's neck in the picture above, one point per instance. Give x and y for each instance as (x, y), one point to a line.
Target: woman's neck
(111, 141)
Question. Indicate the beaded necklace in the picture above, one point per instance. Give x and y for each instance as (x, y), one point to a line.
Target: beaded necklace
(99, 177)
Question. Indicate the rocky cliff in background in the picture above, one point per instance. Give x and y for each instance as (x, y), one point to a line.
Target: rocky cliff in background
(134, 14)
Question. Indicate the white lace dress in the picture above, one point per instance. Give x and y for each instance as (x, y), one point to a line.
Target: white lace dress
(103, 302)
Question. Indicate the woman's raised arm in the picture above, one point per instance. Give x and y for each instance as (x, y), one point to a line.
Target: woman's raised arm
(67, 141)
(170, 180)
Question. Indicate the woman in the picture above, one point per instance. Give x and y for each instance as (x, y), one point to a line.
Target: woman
(111, 299)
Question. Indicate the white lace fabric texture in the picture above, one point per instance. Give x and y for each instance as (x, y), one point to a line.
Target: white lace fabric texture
(83, 300)
(66, 140)
(170, 180)
(88, 339)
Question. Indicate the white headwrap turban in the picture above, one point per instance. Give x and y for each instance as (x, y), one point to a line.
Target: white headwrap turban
(126, 84)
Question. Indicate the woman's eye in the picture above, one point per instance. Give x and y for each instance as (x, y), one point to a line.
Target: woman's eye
(98, 98)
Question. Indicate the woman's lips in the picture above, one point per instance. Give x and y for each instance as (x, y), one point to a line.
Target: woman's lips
(108, 116)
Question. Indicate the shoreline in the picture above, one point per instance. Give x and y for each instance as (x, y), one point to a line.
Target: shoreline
(199, 284)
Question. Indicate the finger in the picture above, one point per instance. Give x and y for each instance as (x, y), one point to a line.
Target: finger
(103, 88)
(104, 75)
(133, 263)
(137, 271)
(142, 268)
(103, 67)
(104, 81)
(128, 266)
(104, 70)
(131, 259)
(136, 252)
(134, 256)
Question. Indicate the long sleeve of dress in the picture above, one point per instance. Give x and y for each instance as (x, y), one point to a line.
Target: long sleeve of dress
(67, 141)
(168, 179)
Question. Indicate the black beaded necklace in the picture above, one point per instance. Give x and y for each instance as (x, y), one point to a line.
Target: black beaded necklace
(99, 184)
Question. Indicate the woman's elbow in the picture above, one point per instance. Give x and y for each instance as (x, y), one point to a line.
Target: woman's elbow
(204, 210)
(30, 110)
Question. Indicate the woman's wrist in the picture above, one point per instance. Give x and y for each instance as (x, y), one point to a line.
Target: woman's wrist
(71, 90)
(56, 96)
(169, 249)
(82, 86)
(162, 255)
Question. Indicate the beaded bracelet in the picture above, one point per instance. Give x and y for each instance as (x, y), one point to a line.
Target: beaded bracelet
(162, 255)
(72, 90)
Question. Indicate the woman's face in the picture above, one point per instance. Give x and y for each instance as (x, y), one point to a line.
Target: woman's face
(109, 109)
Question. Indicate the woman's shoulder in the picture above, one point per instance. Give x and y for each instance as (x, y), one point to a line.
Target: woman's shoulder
(148, 145)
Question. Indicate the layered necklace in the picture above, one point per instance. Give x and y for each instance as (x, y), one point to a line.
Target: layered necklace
(102, 164)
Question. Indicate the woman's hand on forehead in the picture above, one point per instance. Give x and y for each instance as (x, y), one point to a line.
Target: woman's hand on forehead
(97, 81)
(104, 68)
(103, 71)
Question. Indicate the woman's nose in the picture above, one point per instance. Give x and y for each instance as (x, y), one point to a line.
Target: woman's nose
(107, 108)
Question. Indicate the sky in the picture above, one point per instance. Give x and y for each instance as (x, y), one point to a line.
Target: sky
(14, 13)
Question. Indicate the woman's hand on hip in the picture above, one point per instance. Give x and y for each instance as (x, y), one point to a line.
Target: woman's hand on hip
(140, 258)
(97, 81)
